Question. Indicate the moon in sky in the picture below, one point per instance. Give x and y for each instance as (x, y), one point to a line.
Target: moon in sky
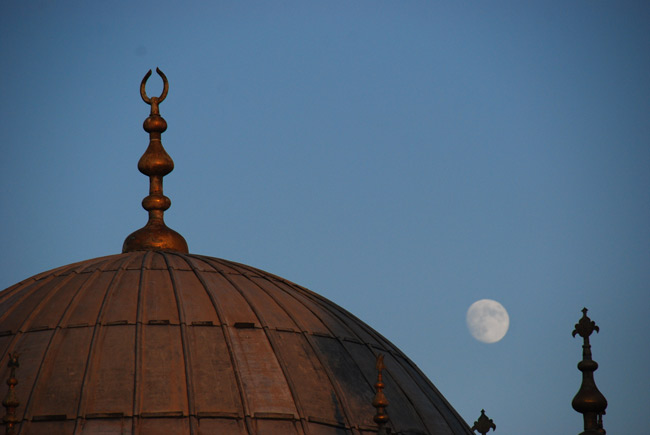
(487, 320)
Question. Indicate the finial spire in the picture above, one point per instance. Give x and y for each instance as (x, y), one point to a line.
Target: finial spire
(484, 424)
(10, 401)
(155, 163)
(380, 402)
(589, 401)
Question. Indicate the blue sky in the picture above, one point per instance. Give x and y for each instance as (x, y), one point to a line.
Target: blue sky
(403, 159)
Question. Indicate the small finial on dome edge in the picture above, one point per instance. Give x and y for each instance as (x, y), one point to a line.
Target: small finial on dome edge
(380, 402)
(10, 401)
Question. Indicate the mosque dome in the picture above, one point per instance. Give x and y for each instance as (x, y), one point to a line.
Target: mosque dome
(160, 341)
(157, 342)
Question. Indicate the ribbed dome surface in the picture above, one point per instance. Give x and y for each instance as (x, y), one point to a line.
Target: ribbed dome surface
(169, 343)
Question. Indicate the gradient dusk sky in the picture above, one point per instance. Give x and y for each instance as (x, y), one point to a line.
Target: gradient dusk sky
(403, 159)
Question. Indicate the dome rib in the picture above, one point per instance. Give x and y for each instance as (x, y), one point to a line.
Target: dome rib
(304, 332)
(339, 391)
(343, 318)
(138, 342)
(228, 341)
(283, 404)
(15, 293)
(399, 356)
(274, 346)
(54, 335)
(15, 301)
(334, 311)
(185, 324)
(57, 307)
(187, 362)
(332, 378)
(304, 417)
(92, 351)
(391, 380)
(334, 335)
(161, 384)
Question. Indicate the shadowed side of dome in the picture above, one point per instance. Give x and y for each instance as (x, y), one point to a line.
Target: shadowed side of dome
(165, 342)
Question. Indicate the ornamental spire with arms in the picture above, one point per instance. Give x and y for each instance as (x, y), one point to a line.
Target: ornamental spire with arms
(589, 401)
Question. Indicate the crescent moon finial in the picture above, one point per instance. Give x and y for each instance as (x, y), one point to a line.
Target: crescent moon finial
(143, 84)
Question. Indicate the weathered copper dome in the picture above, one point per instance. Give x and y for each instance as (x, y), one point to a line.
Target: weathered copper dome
(160, 341)
(171, 343)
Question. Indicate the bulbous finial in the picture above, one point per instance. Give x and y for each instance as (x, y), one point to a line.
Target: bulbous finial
(155, 163)
(589, 401)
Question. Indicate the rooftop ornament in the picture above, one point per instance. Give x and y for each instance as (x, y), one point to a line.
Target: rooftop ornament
(484, 424)
(10, 401)
(155, 163)
(380, 402)
(589, 401)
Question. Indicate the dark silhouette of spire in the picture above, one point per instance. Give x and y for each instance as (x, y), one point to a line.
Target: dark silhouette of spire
(156, 163)
(589, 401)
(10, 401)
(484, 424)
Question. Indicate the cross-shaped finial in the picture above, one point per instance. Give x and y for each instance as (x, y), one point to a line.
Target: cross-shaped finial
(484, 424)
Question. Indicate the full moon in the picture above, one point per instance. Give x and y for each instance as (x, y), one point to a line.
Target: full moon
(487, 321)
